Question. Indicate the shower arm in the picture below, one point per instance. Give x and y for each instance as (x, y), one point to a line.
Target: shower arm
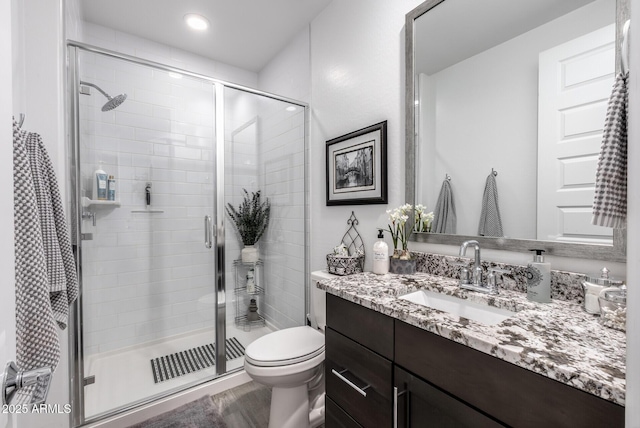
(97, 87)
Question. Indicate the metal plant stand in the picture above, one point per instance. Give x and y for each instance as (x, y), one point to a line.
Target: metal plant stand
(243, 296)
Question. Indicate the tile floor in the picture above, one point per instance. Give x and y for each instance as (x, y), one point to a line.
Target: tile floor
(124, 377)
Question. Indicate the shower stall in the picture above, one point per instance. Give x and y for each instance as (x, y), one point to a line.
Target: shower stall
(162, 282)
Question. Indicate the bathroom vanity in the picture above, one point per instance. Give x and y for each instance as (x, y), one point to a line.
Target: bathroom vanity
(389, 360)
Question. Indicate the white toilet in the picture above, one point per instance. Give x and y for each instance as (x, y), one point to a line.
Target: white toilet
(291, 362)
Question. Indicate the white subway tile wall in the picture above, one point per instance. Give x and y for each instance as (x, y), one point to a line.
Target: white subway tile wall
(146, 275)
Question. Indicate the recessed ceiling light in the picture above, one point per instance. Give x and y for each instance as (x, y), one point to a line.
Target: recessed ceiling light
(197, 22)
(291, 108)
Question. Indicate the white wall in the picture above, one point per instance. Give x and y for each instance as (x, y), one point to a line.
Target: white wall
(504, 78)
(7, 287)
(357, 80)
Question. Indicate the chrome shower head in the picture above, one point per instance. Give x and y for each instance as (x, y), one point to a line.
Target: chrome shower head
(112, 102)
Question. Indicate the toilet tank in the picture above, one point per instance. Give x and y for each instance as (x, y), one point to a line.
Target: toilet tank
(318, 305)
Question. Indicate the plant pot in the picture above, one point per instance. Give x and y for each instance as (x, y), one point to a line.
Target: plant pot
(402, 267)
(249, 254)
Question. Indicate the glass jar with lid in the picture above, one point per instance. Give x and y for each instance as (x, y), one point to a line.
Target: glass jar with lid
(613, 307)
(593, 285)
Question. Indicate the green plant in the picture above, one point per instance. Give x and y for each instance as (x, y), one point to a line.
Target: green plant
(251, 217)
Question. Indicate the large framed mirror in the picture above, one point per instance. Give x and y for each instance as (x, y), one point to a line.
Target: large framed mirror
(515, 90)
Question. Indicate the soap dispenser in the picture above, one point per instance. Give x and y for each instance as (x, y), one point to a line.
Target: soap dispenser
(539, 279)
(380, 255)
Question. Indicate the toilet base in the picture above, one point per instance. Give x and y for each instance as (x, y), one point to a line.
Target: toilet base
(289, 407)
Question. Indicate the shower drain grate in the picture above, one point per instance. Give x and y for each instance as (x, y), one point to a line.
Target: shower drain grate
(194, 359)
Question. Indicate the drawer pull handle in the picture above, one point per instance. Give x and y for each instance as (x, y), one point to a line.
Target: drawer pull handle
(396, 394)
(361, 391)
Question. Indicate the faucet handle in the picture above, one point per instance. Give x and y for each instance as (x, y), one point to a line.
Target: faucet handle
(492, 283)
(465, 276)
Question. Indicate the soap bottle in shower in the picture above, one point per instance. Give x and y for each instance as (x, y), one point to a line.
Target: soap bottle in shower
(539, 279)
(99, 185)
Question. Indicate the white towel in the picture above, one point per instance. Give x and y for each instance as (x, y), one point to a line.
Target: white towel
(490, 220)
(444, 216)
(610, 199)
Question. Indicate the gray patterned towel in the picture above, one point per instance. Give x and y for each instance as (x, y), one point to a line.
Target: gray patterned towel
(490, 220)
(36, 331)
(46, 281)
(444, 216)
(610, 199)
(61, 267)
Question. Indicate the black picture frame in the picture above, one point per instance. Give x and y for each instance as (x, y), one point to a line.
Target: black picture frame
(357, 167)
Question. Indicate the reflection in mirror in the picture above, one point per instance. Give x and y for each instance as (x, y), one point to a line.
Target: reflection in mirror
(519, 88)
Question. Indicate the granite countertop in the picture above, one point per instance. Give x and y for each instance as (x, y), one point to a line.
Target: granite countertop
(558, 339)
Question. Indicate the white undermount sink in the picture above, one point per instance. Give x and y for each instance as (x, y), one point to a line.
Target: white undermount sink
(488, 315)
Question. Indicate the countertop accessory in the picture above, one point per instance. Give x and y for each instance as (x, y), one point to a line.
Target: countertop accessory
(539, 279)
(380, 255)
(613, 307)
(354, 261)
(593, 285)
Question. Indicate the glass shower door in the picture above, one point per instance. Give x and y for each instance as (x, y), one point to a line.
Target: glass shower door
(148, 305)
(264, 151)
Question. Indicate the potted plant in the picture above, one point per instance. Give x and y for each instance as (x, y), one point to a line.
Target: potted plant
(401, 261)
(250, 219)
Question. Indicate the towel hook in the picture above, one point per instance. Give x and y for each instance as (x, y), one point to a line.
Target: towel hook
(494, 172)
(624, 48)
(21, 121)
(447, 177)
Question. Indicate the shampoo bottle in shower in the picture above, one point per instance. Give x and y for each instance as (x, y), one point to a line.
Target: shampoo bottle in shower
(539, 279)
(111, 188)
(380, 255)
(100, 185)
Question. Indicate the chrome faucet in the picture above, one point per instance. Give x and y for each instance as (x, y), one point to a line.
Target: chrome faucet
(476, 273)
(476, 284)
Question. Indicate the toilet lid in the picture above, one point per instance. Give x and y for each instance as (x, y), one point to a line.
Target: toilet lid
(283, 347)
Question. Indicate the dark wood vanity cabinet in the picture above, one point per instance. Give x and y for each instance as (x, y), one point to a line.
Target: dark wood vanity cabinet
(421, 404)
(358, 365)
(438, 382)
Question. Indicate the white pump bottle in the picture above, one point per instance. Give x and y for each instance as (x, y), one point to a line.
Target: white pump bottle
(380, 255)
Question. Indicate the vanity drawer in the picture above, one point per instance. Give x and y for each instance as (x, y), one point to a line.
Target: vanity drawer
(511, 394)
(338, 418)
(350, 366)
(357, 323)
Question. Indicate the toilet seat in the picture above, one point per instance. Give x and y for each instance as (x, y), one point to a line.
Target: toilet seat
(285, 347)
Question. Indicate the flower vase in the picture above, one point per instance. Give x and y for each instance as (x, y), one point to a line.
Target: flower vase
(249, 254)
(402, 267)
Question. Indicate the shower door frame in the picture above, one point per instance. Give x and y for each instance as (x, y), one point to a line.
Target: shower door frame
(76, 350)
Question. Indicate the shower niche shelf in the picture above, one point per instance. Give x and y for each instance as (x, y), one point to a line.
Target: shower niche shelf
(244, 295)
(86, 202)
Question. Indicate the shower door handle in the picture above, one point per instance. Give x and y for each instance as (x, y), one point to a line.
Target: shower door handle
(208, 232)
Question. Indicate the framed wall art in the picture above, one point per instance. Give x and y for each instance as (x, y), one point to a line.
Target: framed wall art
(357, 167)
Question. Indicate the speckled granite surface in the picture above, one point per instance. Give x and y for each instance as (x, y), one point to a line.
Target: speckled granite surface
(558, 340)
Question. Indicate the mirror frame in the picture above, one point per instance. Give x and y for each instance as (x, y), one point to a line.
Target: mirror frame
(615, 253)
